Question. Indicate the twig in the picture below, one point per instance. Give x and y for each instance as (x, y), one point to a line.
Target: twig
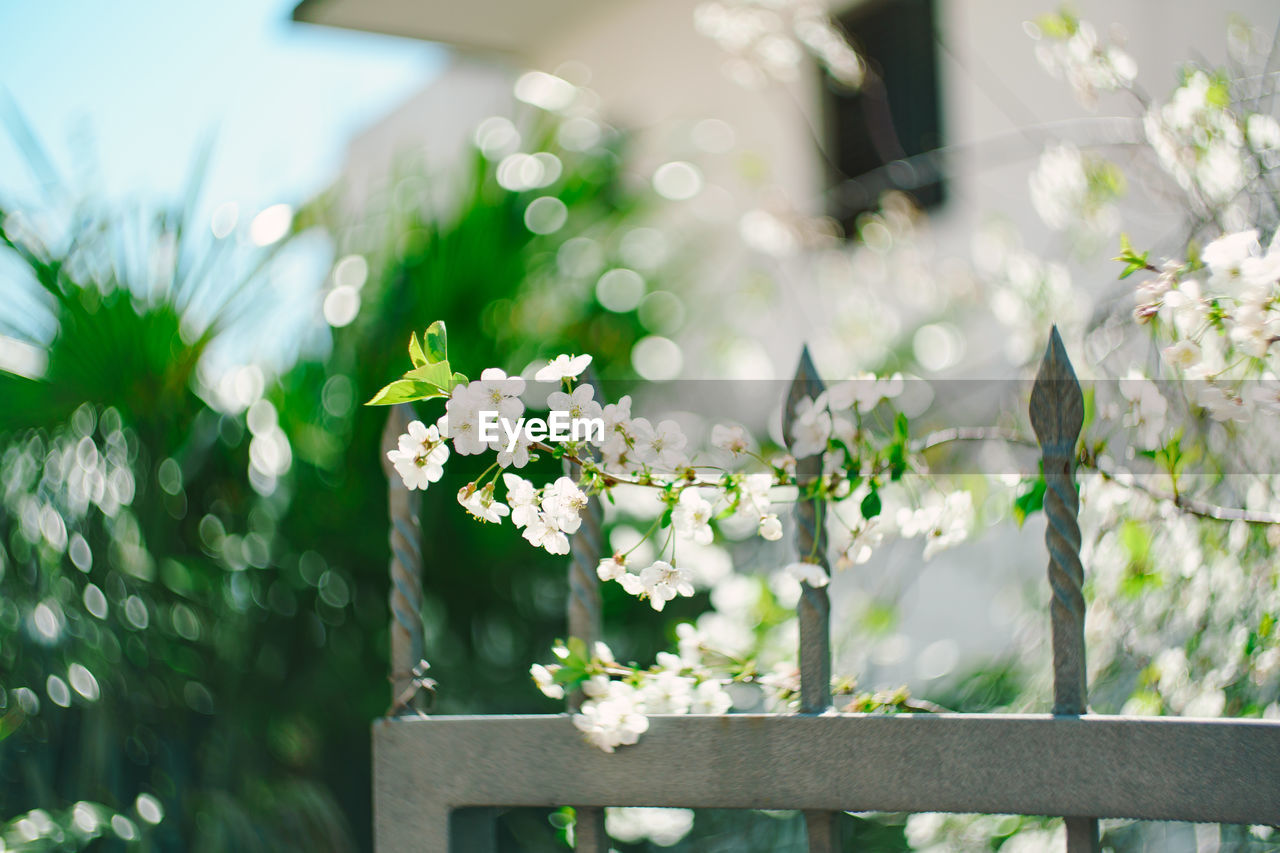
(1191, 506)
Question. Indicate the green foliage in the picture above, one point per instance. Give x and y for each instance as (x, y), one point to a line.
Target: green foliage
(1133, 261)
(1062, 24)
(236, 630)
(1031, 500)
(430, 375)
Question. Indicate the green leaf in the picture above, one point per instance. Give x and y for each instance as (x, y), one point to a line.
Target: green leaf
(579, 655)
(1218, 95)
(871, 504)
(437, 342)
(456, 380)
(437, 374)
(415, 351)
(1059, 25)
(405, 391)
(1134, 265)
(1032, 500)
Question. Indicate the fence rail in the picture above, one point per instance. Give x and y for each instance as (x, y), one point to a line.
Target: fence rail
(435, 778)
(1089, 766)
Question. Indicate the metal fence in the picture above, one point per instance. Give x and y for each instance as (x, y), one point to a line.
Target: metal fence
(436, 779)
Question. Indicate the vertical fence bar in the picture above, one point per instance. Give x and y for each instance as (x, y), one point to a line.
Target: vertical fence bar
(474, 831)
(403, 508)
(583, 616)
(1057, 416)
(814, 609)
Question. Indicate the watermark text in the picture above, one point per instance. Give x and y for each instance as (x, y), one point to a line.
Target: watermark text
(558, 426)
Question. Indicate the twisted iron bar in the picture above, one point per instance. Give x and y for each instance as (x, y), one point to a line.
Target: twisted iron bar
(584, 621)
(814, 608)
(1066, 577)
(1057, 416)
(404, 508)
(813, 611)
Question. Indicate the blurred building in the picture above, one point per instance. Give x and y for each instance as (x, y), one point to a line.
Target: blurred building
(961, 76)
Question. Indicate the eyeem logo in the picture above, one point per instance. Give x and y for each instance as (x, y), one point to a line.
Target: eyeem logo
(558, 426)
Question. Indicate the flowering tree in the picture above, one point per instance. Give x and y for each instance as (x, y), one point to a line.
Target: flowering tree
(1179, 507)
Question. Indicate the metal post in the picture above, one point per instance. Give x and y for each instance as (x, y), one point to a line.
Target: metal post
(474, 830)
(814, 608)
(1057, 416)
(583, 616)
(403, 507)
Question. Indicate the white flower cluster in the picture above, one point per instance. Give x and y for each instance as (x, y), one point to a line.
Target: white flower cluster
(1223, 320)
(1027, 293)
(664, 827)
(1200, 142)
(546, 515)
(493, 392)
(616, 710)
(659, 582)
(769, 38)
(419, 459)
(1182, 614)
(1070, 189)
(819, 420)
(943, 520)
(1069, 48)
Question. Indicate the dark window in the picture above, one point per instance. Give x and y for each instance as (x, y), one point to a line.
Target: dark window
(875, 133)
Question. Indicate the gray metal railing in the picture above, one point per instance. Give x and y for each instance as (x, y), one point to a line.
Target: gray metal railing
(434, 776)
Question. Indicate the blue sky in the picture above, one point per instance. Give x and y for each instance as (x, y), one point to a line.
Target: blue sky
(124, 93)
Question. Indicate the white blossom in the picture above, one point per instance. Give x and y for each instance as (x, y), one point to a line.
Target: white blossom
(518, 454)
(612, 568)
(580, 404)
(660, 446)
(522, 496)
(1183, 355)
(659, 582)
(863, 393)
(617, 425)
(494, 391)
(463, 412)
(664, 827)
(811, 427)
(942, 521)
(733, 438)
(1222, 403)
(805, 572)
(1263, 132)
(563, 503)
(420, 456)
(545, 679)
(709, 697)
(1067, 191)
(563, 367)
(666, 692)
(691, 517)
(1226, 256)
(542, 533)
(1088, 65)
(481, 504)
(612, 718)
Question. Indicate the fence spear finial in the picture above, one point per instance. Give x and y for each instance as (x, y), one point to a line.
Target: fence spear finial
(1057, 416)
(813, 611)
(814, 608)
